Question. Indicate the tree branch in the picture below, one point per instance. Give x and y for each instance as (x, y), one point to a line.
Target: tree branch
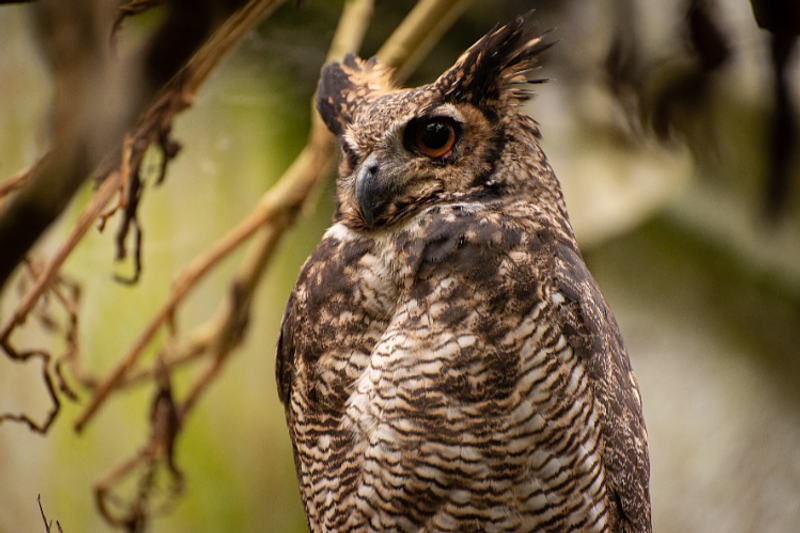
(174, 98)
(95, 105)
(278, 208)
(88, 118)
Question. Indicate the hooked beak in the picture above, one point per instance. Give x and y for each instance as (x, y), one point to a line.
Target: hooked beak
(372, 194)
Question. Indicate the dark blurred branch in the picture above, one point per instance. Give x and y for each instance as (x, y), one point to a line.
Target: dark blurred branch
(783, 135)
(98, 98)
(782, 19)
(89, 114)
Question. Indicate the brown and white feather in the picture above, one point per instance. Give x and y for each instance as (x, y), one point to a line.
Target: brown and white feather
(451, 365)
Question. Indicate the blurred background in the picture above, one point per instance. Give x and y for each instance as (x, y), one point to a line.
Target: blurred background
(660, 120)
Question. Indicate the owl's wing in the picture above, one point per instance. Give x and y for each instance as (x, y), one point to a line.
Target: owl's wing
(284, 355)
(325, 314)
(593, 332)
(329, 327)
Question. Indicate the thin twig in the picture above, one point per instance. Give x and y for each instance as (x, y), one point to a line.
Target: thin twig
(34, 426)
(16, 181)
(85, 221)
(125, 173)
(102, 488)
(47, 525)
(159, 449)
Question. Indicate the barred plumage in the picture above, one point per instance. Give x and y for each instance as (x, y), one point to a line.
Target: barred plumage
(446, 361)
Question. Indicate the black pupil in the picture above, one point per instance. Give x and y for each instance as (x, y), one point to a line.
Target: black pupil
(435, 134)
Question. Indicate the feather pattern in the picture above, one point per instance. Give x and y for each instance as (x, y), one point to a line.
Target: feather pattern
(452, 365)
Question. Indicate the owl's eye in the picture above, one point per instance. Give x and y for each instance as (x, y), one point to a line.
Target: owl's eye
(434, 137)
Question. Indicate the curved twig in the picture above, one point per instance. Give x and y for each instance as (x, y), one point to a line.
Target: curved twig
(23, 418)
(43, 280)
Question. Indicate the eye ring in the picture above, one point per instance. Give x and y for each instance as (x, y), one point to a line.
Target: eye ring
(434, 137)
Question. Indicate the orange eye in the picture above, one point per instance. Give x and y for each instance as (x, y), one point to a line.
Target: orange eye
(435, 137)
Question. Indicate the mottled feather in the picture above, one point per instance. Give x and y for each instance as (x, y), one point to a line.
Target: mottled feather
(450, 364)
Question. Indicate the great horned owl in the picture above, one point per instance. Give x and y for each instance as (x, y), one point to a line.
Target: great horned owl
(446, 361)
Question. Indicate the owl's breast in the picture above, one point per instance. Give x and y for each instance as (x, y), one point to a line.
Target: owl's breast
(433, 385)
(472, 402)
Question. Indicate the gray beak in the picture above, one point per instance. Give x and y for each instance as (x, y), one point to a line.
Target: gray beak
(371, 193)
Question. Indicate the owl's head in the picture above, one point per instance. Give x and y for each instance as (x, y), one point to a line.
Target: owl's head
(403, 149)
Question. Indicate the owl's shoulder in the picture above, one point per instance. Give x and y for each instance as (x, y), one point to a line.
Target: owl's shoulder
(344, 291)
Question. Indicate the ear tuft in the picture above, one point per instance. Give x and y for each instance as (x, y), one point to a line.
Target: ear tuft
(343, 86)
(497, 65)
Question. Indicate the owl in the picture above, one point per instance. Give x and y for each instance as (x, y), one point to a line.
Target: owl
(446, 361)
